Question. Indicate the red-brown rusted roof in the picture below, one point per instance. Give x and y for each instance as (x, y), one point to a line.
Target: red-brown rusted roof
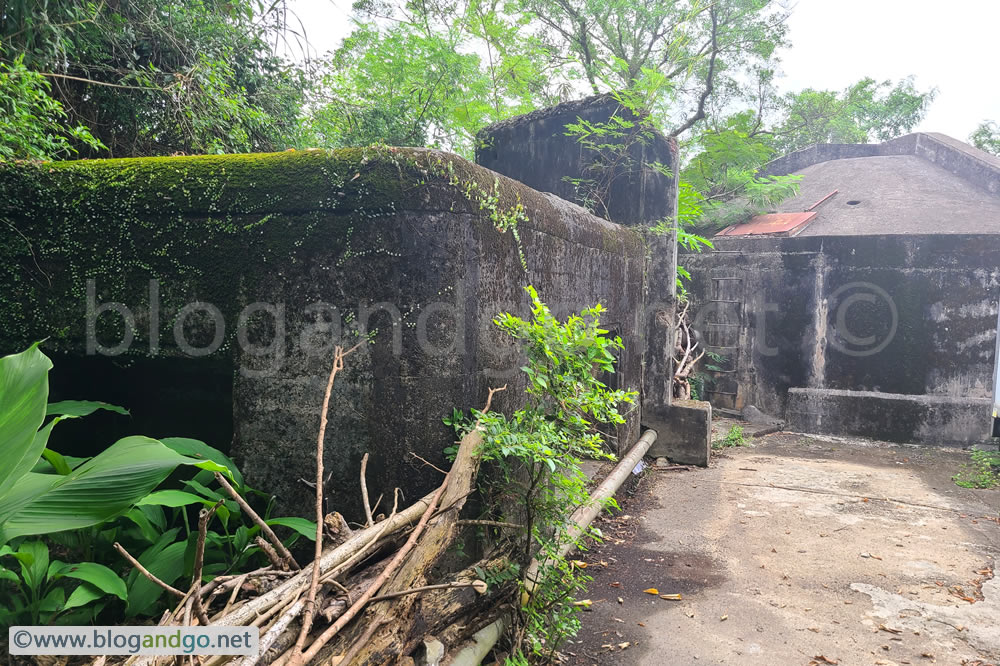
(773, 224)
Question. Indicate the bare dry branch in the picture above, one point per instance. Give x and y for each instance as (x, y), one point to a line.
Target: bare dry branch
(364, 491)
(145, 572)
(310, 603)
(199, 560)
(264, 527)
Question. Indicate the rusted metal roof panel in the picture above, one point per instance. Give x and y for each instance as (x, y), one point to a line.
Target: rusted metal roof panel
(773, 224)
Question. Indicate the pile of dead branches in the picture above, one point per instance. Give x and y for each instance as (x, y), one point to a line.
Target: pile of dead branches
(368, 596)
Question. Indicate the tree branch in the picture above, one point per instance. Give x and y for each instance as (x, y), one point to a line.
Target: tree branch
(709, 80)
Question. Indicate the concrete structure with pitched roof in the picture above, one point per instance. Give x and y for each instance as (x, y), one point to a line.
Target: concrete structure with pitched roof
(877, 318)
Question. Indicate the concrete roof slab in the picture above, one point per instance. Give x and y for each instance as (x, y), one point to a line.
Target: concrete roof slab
(892, 194)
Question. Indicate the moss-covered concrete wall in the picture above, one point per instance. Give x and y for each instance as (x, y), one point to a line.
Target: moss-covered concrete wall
(268, 259)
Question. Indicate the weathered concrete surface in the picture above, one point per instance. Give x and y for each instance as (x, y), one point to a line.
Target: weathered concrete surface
(535, 149)
(261, 263)
(903, 314)
(683, 432)
(921, 419)
(799, 547)
(972, 165)
(434, 277)
(660, 311)
(893, 194)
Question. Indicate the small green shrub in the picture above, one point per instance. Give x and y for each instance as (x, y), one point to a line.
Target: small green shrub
(41, 588)
(535, 458)
(734, 437)
(982, 471)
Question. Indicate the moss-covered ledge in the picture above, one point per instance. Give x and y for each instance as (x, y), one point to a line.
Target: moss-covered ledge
(208, 226)
(413, 251)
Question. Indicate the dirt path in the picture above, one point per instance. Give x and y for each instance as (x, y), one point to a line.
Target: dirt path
(798, 549)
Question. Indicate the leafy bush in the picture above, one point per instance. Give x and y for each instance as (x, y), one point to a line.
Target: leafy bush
(39, 594)
(537, 454)
(34, 125)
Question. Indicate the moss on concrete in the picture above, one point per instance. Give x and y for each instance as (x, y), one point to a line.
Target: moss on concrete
(207, 227)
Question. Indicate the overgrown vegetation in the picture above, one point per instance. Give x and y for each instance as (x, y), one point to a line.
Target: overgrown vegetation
(734, 437)
(536, 454)
(144, 77)
(114, 505)
(154, 77)
(982, 471)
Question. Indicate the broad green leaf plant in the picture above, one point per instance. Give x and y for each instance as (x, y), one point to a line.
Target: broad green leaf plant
(83, 506)
(39, 597)
(40, 502)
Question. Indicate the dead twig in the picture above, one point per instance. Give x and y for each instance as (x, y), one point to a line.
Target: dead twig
(347, 593)
(489, 523)
(264, 527)
(310, 604)
(479, 586)
(145, 572)
(428, 463)
(489, 399)
(268, 551)
(199, 561)
(364, 491)
(232, 597)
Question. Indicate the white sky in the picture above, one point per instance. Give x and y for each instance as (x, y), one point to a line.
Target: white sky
(952, 46)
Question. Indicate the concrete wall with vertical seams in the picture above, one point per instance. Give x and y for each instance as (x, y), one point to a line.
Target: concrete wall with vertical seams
(900, 315)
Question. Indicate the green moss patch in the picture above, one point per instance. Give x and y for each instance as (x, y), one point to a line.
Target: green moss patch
(209, 227)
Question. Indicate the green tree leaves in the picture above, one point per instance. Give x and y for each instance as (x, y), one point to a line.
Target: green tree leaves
(148, 77)
(866, 111)
(33, 124)
(987, 137)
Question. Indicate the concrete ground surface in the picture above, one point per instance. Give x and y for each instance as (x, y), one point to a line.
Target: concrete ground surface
(798, 550)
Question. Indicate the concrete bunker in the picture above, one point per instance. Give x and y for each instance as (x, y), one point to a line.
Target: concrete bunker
(536, 149)
(254, 265)
(879, 318)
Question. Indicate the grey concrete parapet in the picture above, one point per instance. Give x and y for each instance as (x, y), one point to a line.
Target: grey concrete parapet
(975, 166)
(891, 417)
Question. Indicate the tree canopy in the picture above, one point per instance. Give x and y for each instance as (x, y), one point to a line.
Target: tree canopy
(159, 77)
(152, 77)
